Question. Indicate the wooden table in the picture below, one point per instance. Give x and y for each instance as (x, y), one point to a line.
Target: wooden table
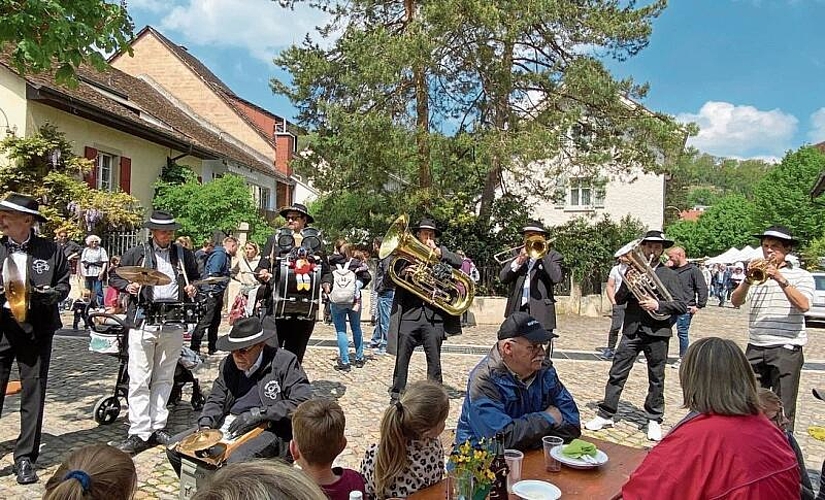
(600, 483)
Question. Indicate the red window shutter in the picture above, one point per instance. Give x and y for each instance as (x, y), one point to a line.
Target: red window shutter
(90, 178)
(126, 174)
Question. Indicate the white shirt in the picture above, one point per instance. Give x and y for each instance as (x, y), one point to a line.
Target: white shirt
(525, 289)
(255, 365)
(773, 321)
(164, 265)
(617, 273)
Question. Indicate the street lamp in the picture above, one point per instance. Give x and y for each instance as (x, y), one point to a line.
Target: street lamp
(9, 130)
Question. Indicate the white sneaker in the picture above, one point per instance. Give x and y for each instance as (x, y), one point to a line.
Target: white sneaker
(598, 423)
(654, 430)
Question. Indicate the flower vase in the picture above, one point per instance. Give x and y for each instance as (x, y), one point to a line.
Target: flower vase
(468, 489)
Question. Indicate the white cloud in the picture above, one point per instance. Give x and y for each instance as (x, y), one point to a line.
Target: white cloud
(148, 5)
(741, 131)
(817, 132)
(261, 27)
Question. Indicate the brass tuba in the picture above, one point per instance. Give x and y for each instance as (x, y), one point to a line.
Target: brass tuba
(642, 281)
(416, 269)
(17, 293)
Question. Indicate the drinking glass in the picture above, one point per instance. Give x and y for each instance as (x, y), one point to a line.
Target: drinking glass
(550, 442)
(514, 459)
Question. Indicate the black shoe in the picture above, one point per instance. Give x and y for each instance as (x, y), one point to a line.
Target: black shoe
(359, 363)
(24, 468)
(133, 445)
(341, 367)
(160, 436)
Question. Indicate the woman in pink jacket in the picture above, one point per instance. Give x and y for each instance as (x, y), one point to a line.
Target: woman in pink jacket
(725, 448)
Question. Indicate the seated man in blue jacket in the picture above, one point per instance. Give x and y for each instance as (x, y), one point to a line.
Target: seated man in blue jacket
(515, 391)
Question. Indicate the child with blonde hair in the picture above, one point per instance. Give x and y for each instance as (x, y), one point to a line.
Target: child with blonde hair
(317, 438)
(95, 472)
(409, 457)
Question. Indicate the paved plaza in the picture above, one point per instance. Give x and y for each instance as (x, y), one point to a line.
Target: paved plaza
(78, 378)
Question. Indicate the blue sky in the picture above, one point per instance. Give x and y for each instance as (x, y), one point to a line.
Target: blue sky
(751, 73)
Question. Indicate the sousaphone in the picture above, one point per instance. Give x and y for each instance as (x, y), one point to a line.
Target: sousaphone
(15, 289)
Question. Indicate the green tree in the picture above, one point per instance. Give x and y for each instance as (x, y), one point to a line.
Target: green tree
(221, 204)
(63, 34)
(457, 96)
(43, 166)
(728, 223)
(783, 195)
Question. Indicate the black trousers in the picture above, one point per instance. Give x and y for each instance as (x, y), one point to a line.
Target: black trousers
(778, 369)
(411, 334)
(293, 335)
(33, 356)
(266, 445)
(655, 349)
(208, 323)
(616, 322)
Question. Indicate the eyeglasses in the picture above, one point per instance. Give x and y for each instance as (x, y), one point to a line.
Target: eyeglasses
(244, 350)
(294, 217)
(534, 347)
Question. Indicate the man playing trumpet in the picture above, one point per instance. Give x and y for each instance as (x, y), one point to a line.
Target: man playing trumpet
(776, 324)
(532, 278)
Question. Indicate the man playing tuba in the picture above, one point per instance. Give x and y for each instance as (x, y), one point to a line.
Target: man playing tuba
(414, 322)
(648, 326)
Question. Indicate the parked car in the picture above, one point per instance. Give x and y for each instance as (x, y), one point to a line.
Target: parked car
(817, 310)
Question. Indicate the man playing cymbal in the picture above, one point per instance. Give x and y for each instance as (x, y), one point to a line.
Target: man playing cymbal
(154, 348)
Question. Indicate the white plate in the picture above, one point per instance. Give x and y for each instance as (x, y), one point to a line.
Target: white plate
(578, 463)
(533, 489)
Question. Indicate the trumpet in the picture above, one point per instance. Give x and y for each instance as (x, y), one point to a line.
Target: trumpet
(758, 271)
(536, 245)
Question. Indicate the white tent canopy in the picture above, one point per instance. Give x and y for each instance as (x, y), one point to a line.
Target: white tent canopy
(732, 255)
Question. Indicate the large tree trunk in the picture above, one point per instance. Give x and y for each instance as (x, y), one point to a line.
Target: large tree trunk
(501, 121)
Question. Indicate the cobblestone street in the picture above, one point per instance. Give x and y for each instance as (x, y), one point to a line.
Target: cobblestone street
(78, 378)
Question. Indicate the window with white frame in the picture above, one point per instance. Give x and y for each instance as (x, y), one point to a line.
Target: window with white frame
(261, 195)
(581, 193)
(105, 168)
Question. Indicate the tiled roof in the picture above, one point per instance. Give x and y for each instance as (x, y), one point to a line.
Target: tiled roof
(126, 98)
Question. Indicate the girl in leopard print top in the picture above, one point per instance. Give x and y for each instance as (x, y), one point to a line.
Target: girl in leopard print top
(409, 456)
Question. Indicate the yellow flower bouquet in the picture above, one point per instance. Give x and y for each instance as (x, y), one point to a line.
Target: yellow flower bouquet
(469, 466)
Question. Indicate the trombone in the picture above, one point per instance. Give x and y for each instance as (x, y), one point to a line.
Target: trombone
(536, 245)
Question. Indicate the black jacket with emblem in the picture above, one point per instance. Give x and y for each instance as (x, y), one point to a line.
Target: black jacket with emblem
(135, 257)
(544, 275)
(282, 386)
(47, 267)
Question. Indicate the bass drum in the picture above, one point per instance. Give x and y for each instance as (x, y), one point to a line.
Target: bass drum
(298, 295)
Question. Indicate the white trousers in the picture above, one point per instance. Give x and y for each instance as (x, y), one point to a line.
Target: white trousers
(152, 359)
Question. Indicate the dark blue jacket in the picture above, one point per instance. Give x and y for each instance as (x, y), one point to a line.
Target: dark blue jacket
(497, 402)
(217, 264)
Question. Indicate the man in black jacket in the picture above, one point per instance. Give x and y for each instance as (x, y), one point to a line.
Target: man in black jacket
(414, 322)
(696, 291)
(154, 341)
(532, 280)
(257, 384)
(283, 246)
(31, 261)
(643, 333)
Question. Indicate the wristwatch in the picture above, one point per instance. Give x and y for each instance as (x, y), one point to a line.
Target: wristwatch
(784, 284)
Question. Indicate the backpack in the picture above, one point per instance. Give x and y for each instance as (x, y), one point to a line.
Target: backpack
(343, 284)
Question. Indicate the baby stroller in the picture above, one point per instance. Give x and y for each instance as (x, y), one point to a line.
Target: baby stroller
(109, 336)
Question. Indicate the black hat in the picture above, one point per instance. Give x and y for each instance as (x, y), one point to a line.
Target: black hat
(658, 236)
(244, 333)
(779, 233)
(23, 204)
(297, 207)
(819, 394)
(426, 223)
(534, 225)
(162, 221)
(521, 324)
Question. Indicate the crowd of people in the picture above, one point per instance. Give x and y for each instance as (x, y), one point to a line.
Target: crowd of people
(736, 441)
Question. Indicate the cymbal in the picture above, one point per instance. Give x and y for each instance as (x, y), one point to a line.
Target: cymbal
(212, 280)
(143, 276)
(17, 293)
(200, 440)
